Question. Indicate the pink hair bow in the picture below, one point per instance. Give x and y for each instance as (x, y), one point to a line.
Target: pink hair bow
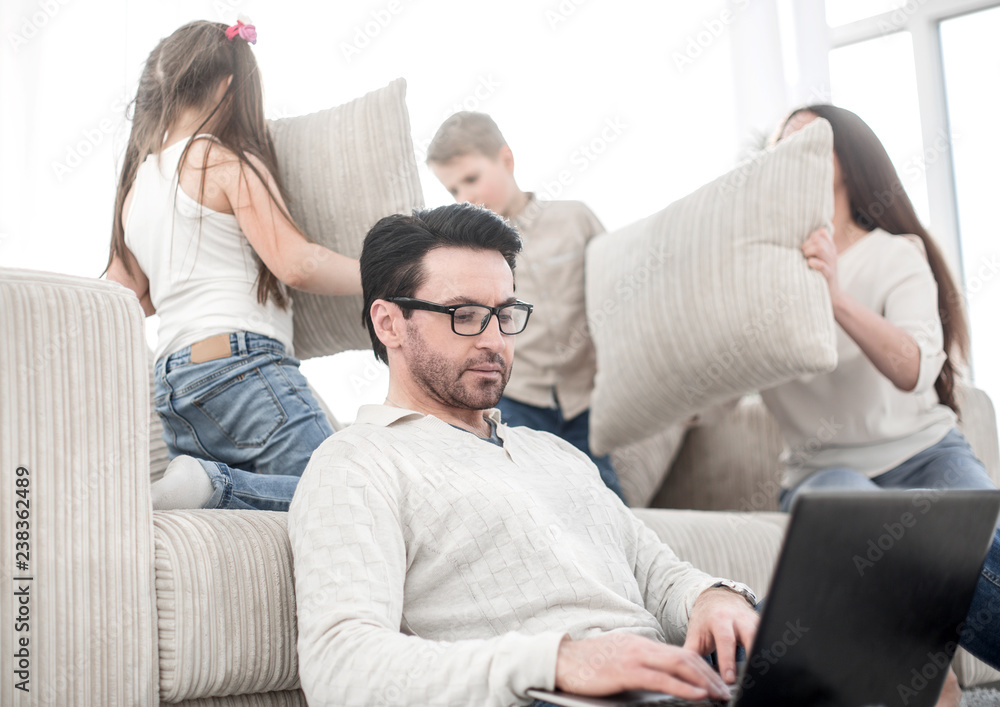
(245, 30)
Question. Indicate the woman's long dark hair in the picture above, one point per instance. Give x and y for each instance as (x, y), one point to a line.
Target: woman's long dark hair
(878, 200)
(183, 71)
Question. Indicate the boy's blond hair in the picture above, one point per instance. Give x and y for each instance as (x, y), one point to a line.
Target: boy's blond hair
(465, 133)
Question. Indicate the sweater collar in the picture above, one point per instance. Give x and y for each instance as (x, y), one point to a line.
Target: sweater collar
(387, 415)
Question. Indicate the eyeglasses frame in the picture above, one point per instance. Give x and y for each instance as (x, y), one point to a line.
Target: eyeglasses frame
(421, 304)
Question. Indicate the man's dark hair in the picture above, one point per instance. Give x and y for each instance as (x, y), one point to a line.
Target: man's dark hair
(393, 254)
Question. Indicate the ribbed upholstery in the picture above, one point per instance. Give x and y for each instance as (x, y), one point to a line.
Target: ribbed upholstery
(344, 169)
(978, 423)
(711, 298)
(739, 546)
(73, 411)
(290, 698)
(731, 464)
(642, 466)
(225, 602)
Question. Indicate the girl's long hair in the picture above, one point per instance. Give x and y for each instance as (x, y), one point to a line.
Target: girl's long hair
(183, 71)
(878, 200)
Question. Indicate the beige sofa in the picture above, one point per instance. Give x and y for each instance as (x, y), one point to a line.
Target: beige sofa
(127, 606)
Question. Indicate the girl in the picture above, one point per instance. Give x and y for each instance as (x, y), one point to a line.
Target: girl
(201, 234)
(900, 317)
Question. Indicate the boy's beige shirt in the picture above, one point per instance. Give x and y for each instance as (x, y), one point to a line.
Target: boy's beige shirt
(554, 359)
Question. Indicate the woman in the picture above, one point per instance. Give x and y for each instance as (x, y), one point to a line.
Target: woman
(902, 331)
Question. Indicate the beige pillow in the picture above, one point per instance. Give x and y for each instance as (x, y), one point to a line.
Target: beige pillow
(344, 169)
(711, 297)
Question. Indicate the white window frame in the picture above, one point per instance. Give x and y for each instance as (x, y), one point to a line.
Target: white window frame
(921, 18)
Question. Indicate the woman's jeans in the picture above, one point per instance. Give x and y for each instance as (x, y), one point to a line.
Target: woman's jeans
(950, 464)
(575, 431)
(250, 419)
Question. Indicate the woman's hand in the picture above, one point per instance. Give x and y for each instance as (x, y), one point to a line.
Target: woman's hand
(821, 255)
(891, 350)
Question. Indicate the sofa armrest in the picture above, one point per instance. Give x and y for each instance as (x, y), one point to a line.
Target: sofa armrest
(73, 414)
(738, 546)
(978, 422)
(225, 602)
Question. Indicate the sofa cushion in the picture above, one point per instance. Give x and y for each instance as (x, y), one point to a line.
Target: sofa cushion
(344, 169)
(728, 463)
(225, 603)
(739, 546)
(711, 297)
(642, 466)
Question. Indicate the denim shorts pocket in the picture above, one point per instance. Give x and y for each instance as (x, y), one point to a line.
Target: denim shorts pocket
(244, 408)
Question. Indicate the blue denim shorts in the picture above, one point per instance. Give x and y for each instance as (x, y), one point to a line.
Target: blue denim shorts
(252, 410)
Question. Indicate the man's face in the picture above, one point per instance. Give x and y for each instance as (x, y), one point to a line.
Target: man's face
(466, 372)
(478, 179)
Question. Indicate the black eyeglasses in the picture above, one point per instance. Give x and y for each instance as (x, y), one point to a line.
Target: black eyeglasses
(472, 319)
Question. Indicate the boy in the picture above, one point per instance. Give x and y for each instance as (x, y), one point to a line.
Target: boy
(555, 355)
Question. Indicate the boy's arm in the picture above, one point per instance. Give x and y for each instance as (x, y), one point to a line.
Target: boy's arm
(350, 569)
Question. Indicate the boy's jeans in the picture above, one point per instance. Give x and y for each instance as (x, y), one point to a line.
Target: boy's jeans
(250, 419)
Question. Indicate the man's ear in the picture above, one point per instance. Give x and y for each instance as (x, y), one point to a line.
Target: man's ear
(387, 319)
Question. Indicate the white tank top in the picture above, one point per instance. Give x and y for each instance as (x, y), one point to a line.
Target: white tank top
(200, 266)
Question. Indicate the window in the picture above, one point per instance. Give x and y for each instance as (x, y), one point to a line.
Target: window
(970, 53)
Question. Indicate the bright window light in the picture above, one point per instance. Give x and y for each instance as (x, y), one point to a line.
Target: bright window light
(970, 54)
(877, 80)
(842, 12)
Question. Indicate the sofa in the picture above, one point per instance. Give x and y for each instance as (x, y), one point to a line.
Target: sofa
(116, 604)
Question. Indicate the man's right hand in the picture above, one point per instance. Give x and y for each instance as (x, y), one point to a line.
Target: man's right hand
(620, 661)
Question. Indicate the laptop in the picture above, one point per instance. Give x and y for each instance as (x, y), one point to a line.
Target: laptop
(866, 603)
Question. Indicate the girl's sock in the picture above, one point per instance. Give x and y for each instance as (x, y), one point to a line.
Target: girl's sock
(185, 484)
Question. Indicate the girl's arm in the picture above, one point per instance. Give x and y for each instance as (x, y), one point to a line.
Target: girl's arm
(893, 351)
(135, 280)
(284, 249)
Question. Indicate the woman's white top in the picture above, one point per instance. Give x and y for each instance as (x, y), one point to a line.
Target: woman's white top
(855, 417)
(202, 270)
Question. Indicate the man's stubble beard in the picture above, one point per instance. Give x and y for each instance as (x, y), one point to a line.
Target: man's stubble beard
(446, 384)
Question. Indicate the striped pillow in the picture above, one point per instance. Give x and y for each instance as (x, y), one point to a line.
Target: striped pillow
(344, 169)
(711, 297)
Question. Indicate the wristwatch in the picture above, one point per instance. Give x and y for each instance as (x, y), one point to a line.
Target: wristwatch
(741, 589)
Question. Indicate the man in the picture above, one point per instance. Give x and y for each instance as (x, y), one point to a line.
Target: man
(444, 558)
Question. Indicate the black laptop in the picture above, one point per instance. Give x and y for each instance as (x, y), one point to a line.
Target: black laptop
(866, 603)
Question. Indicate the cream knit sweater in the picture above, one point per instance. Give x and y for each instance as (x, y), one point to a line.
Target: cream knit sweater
(436, 568)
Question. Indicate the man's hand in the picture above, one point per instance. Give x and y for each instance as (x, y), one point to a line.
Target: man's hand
(620, 661)
(720, 620)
